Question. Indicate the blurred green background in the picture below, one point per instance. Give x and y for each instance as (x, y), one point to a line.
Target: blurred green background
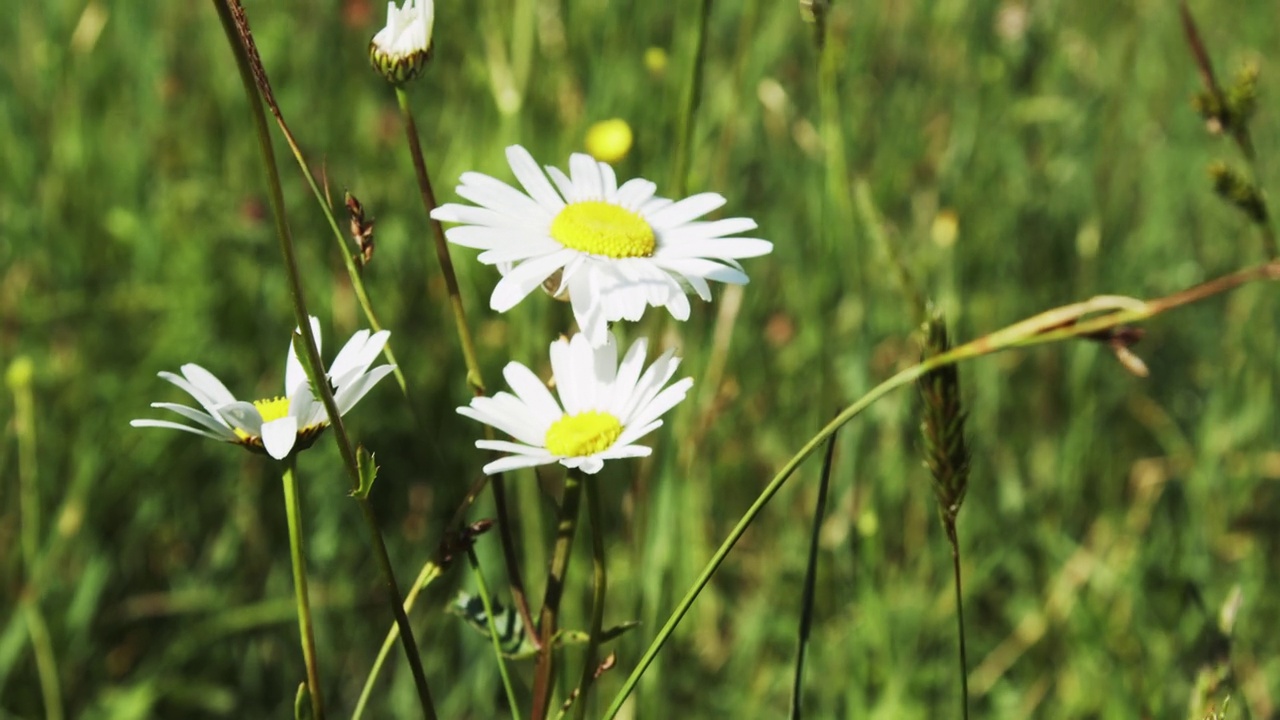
(1108, 517)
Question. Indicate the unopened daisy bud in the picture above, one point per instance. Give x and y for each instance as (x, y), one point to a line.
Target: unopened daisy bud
(609, 140)
(1236, 189)
(401, 49)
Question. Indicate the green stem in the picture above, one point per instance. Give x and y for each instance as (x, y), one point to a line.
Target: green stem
(293, 511)
(474, 378)
(600, 583)
(429, 572)
(689, 104)
(544, 672)
(1052, 326)
(810, 582)
(954, 540)
(236, 27)
(483, 589)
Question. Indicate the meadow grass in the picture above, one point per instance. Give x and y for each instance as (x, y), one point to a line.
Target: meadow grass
(1108, 518)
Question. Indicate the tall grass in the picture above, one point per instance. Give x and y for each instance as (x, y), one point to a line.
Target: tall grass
(1114, 518)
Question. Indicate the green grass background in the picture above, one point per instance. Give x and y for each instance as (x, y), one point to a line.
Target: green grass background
(1108, 517)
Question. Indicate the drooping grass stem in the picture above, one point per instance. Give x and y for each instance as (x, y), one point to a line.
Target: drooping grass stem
(544, 672)
(474, 379)
(236, 27)
(306, 629)
(1055, 325)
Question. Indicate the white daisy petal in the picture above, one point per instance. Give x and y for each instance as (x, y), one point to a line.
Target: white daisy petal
(212, 422)
(294, 373)
(682, 211)
(210, 386)
(635, 192)
(525, 278)
(530, 389)
(350, 394)
(563, 184)
(585, 172)
(242, 416)
(175, 426)
(516, 462)
(348, 354)
(530, 176)
(279, 436)
(484, 412)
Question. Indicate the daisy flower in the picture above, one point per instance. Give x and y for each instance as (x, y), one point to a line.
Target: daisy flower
(614, 250)
(401, 49)
(280, 425)
(604, 407)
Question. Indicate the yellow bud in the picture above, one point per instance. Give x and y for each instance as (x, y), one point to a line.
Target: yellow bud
(609, 140)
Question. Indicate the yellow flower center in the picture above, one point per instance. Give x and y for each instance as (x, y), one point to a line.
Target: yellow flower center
(270, 409)
(602, 228)
(583, 434)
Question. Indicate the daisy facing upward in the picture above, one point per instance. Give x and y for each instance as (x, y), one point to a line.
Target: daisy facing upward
(616, 249)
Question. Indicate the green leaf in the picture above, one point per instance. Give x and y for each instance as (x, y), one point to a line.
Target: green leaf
(302, 703)
(513, 640)
(368, 472)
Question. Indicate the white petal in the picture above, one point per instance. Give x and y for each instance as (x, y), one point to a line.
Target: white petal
(585, 172)
(349, 352)
(350, 394)
(532, 391)
(212, 422)
(534, 182)
(486, 410)
(618, 451)
(206, 383)
(524, 278)
(175, 426)
(516, 462)
(293, 370)
(678, 213)
(635, 193)
(697, 267)
(625, 382)
(279, 435)
(242, 416)
(589, 465)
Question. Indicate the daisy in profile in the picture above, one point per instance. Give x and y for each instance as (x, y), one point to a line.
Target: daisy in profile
(281, 425)
(402, 47)
(613, 250)
(604, 407)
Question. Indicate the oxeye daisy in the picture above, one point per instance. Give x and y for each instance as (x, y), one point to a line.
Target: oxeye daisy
(614, 250)
(401, 49)
(280, 425)
(604, 407)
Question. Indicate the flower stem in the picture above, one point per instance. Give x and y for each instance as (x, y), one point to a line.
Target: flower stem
(236, 27)
(810, 582)
(689, 104)
(293, 511)
(600, 584)
(544, 672)
(483, 590)
(1055, 325)
(474, 378)
(954, 540)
